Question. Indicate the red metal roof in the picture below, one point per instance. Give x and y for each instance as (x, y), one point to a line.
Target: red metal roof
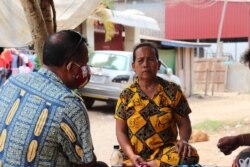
(186, 22)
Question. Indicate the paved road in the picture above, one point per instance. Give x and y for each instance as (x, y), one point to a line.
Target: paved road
(102, 125)
(225, 107)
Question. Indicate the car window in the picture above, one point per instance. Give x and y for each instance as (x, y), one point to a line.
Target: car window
(108, 61)
(163, 69)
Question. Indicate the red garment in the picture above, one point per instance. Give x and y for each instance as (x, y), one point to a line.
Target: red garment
(29, 64)
(5, 59)
(2, 62)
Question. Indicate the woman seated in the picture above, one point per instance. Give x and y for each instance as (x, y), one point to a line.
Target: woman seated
(150, 113)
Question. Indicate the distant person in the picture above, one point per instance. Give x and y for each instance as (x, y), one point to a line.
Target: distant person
(150, 113)
(43, 122)
(228, 144)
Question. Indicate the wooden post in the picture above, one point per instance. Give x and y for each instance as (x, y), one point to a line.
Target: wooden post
(214, 76)
(206, 83)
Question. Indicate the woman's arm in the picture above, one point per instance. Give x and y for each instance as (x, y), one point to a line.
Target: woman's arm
(122, 137)
(121, 134)
(185, 130)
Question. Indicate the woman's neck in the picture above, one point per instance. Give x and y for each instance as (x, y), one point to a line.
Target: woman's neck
(149, 86)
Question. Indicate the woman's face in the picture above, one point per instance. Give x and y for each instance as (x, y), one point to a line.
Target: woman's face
(146, 64)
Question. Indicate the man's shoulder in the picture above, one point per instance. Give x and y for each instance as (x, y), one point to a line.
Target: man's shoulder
(27, 78)
(45, 87)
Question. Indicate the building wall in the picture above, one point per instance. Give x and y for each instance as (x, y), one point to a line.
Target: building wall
(187, 20)
(184, 69)
(116, 43)
(210, 75)
(168, 57)
(238, 78)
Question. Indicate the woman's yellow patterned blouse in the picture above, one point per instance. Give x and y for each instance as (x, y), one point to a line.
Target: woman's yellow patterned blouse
(151, 123)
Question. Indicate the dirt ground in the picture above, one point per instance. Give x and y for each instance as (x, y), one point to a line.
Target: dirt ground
(219, 107)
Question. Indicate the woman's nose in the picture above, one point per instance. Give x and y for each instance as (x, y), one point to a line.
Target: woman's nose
(145, 63)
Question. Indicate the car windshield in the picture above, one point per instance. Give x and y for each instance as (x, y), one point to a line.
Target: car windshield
(163, 69)
(108, 61)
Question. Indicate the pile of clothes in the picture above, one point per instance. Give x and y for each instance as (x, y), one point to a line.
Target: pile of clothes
(13, 62)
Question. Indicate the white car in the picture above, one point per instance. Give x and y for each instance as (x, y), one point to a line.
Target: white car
(111, 72)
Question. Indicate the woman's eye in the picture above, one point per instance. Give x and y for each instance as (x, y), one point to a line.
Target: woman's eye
(152, 59)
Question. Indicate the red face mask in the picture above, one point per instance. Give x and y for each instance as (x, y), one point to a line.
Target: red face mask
(83, 76)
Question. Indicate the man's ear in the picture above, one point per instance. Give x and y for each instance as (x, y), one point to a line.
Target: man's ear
(69, 66)
(72, 68)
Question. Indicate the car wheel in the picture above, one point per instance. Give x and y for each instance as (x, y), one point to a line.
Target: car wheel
(88, 102)
(112, 103)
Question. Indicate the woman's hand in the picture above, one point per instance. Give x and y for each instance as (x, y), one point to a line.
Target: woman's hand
(150, 164)
(184, 149)
(137, 161)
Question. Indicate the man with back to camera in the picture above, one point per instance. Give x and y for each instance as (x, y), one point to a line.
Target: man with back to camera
(43, 121)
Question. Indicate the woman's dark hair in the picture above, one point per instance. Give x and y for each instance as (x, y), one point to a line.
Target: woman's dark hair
(62, 47)
(146, 44)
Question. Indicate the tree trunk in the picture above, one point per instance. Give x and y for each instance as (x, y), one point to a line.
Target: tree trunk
(46, 12)
(37, 25)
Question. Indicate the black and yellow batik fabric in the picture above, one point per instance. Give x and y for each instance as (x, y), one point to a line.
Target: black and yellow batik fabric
(42, 123)
(152, 128)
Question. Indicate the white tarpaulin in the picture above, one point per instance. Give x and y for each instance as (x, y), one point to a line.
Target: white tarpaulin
(14, 29)
(131, 19)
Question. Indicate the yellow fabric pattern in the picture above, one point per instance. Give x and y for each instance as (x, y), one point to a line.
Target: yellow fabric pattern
(151, 123)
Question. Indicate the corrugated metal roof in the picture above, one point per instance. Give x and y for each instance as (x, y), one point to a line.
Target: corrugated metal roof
(175, 43)
(185, 21)
(235, 0)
